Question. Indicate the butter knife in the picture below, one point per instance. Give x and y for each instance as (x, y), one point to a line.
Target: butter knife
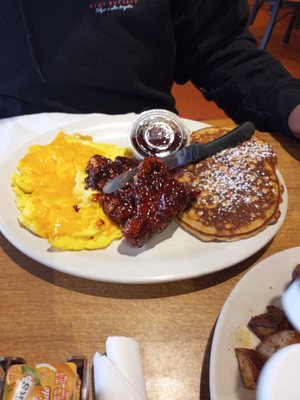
(189, 154)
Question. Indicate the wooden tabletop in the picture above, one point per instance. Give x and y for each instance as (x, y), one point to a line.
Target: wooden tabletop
(47, 315)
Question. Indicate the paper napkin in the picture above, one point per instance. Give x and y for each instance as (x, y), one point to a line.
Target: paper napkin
(118, 374)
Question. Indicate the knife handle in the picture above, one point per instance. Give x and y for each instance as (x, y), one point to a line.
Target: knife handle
(237, 135)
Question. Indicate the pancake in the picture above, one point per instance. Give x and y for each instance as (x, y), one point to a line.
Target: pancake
(237, 190)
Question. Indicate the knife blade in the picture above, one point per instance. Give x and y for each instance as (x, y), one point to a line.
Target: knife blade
(189, 154)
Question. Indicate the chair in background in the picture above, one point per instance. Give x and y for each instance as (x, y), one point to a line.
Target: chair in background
(293, 10)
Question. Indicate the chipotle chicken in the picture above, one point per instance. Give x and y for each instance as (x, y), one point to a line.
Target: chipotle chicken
(143, 207)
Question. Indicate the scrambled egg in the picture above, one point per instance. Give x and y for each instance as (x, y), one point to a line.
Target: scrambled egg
(51, 195)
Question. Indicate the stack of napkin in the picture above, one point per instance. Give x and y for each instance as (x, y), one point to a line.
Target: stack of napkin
(118, 374)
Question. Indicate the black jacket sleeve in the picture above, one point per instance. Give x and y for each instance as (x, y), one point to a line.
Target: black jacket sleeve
(221, 58)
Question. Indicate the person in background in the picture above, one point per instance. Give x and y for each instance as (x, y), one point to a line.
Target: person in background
(119, 56)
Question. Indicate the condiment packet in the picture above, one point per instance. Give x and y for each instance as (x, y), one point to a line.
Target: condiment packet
(157, 133)
(42, 382)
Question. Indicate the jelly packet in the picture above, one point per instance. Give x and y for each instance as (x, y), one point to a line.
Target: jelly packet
(43, 381)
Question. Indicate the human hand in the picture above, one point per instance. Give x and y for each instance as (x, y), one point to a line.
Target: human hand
(294, 122)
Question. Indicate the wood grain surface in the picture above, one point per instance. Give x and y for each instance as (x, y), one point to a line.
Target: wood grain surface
(47, 315)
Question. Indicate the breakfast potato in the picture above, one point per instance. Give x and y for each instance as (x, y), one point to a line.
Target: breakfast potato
(275, 332)
(250, 366)
(272, 321)
(277, 341)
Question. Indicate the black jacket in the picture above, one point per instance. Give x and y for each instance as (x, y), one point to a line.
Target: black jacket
(118, 56)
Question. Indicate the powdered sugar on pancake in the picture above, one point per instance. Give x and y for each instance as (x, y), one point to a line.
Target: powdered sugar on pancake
(235, 187)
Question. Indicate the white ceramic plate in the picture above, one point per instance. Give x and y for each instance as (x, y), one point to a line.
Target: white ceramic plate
(263, 285)
(172, 255)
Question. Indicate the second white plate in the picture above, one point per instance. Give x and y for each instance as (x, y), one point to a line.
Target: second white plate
(261, 286)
